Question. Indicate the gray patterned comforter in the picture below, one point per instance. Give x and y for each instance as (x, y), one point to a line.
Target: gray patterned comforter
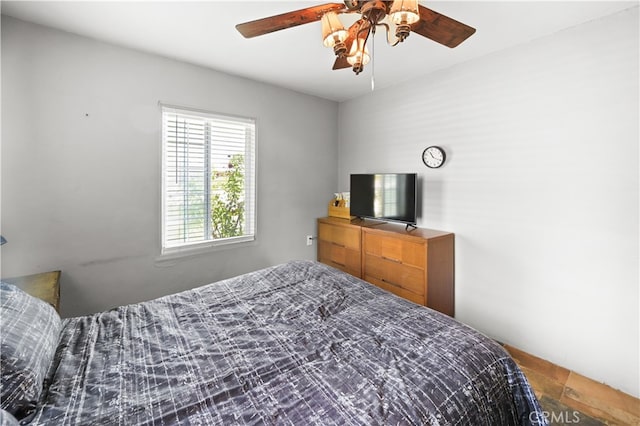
(296, 344)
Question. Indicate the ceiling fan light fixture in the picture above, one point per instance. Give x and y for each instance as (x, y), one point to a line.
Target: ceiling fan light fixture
(404, 12)
(405, 16)
(358, 55)
(333, 31)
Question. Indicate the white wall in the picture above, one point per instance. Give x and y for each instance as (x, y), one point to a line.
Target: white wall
(81, 193)
(540, 187)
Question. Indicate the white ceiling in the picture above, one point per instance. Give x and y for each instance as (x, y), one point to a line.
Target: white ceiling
(203, 33)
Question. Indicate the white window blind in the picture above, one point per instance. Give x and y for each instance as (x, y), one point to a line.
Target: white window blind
(208, 191)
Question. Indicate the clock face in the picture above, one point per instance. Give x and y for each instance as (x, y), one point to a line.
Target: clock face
(433, 157)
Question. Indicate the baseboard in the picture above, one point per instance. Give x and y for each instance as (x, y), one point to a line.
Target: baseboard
(576, 391)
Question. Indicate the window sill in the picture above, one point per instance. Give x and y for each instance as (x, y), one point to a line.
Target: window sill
(172, 255)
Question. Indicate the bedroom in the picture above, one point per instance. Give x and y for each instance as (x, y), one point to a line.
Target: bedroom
(540, 186)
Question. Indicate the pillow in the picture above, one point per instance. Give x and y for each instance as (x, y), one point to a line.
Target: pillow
(7, 419)
(29, 332)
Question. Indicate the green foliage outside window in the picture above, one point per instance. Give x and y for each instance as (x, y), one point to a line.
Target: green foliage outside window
(227, 201)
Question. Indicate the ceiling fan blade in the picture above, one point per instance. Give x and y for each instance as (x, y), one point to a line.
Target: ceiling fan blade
(287, 20)
(341, 63)
(441, 28)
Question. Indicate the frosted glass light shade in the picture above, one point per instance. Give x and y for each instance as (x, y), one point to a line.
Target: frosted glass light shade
(333, 31)
(358, 53)
(404, 12)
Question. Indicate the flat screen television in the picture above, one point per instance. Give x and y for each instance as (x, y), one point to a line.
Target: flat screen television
(385, 196)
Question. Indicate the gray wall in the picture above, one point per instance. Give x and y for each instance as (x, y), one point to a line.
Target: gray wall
(540, 187)
(81, 166)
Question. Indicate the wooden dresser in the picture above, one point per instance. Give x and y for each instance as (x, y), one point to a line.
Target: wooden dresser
(45, 286)
(339, 245)
(415, 264)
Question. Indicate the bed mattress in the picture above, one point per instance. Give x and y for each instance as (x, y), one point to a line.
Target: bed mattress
(296, 344)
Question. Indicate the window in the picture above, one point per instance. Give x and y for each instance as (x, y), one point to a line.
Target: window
(208, 179)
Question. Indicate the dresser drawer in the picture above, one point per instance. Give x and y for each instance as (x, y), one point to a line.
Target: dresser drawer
(395, 273)
(345, 236)
(396, 249)
(398, 291)
(339, 257)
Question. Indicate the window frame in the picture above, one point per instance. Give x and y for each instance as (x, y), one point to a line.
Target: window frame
(197, 247)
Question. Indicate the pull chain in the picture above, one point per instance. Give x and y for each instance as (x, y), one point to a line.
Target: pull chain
(373, 58)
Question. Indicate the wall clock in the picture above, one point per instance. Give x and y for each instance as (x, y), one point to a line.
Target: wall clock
(433, 157)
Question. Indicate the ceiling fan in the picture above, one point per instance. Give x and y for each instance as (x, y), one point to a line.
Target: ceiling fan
(350, 45)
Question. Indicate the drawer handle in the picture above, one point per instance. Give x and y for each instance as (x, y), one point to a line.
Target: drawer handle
(339, 245)
(339, 264)
(392, 260)
(390, 283)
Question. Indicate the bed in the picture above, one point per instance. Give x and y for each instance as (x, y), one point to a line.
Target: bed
(295, 344)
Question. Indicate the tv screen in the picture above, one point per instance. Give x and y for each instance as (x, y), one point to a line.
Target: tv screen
(384, 196)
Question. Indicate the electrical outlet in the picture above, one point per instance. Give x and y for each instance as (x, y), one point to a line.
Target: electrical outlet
(309, 240)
